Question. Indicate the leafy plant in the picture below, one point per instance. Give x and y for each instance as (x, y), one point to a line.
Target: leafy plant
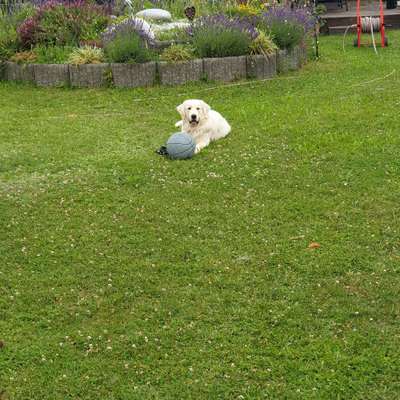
(86, 55)
(176, 53)
(244, 10)
(221, 36)
(175, 34)
(286, 26)
(24, 57)
(128, 41)
(9, 43)
(52, 54)
(263, 44)
(286, 34)
(127, 48)
(212, 42)
(60, 24)
(320, 9)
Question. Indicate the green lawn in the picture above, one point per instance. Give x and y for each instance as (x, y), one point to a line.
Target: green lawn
(124, 275)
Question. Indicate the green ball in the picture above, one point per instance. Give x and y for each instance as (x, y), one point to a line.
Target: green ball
(180, 146)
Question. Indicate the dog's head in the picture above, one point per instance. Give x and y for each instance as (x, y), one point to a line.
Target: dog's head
(194, 111)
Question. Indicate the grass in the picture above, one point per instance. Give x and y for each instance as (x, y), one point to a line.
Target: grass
(128, 276)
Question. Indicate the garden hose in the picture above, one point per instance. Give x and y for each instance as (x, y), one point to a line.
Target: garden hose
(368, 25)
(345, 33)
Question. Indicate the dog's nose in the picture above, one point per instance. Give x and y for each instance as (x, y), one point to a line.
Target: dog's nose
(193, 116)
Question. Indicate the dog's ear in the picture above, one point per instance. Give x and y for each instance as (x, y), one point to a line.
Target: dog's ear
(205, 109)
(181, 110)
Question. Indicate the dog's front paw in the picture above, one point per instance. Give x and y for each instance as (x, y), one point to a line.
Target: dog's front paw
(162, 151)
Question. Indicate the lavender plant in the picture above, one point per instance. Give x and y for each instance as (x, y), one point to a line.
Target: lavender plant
(223, 22)
(286, 26)
(221, 36)
(129, 26)
(128, 41)
(300, 16)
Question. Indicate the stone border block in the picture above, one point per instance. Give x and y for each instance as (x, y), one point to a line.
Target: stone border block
(88, 75)
(302, 49)
(134, 75)
(180, 73)
(289, 60)
(225, 69)
(51, 75)
(18, 72)
(261, 67)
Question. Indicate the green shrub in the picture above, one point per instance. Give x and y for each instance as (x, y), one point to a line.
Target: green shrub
(86, 55)
(176, 53)
(222, 36)
(52, 54)
(9, 43)
(286, 35)
(63, 24)
(288, 27)
(128, 41)
(127, 47)
(215, 42)
(263, 44)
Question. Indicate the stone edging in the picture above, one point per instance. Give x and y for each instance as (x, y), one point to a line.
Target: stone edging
(139, 75)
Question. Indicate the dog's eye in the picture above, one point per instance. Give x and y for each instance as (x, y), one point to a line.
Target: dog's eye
(198, 108)
(189, 108)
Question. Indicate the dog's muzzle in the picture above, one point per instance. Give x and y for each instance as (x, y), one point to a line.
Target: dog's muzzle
(193, 120)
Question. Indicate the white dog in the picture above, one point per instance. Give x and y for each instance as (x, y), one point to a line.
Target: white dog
(204, 124)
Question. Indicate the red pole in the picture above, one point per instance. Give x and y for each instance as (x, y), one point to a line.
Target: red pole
(382, 20)
(359, 24)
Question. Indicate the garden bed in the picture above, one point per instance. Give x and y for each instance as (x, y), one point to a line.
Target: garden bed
(138, 75)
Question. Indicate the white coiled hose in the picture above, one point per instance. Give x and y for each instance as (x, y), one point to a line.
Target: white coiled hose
(368, 25)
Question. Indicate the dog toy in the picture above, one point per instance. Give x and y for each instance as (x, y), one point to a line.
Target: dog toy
(179, 146)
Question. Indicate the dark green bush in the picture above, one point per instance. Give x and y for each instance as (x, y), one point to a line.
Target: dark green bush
(127, 47)
(9, 43)
(52, 54)
(216, 42)
(222, 36)
(288, 27)
(286, 35)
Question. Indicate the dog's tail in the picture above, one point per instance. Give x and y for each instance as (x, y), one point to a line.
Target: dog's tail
(179, 124)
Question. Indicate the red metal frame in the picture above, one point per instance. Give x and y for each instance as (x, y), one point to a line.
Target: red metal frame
(382, 23)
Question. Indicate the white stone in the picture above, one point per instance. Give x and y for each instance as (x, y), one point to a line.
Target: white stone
(169, 26)
(141, 22)
(147, 29)
(155, 13)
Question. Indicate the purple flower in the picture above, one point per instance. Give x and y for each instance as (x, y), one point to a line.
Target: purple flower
(128, 27)
(222, 22)
(299, 16)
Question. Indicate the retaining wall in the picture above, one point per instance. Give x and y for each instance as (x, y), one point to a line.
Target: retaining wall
(139, 75)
